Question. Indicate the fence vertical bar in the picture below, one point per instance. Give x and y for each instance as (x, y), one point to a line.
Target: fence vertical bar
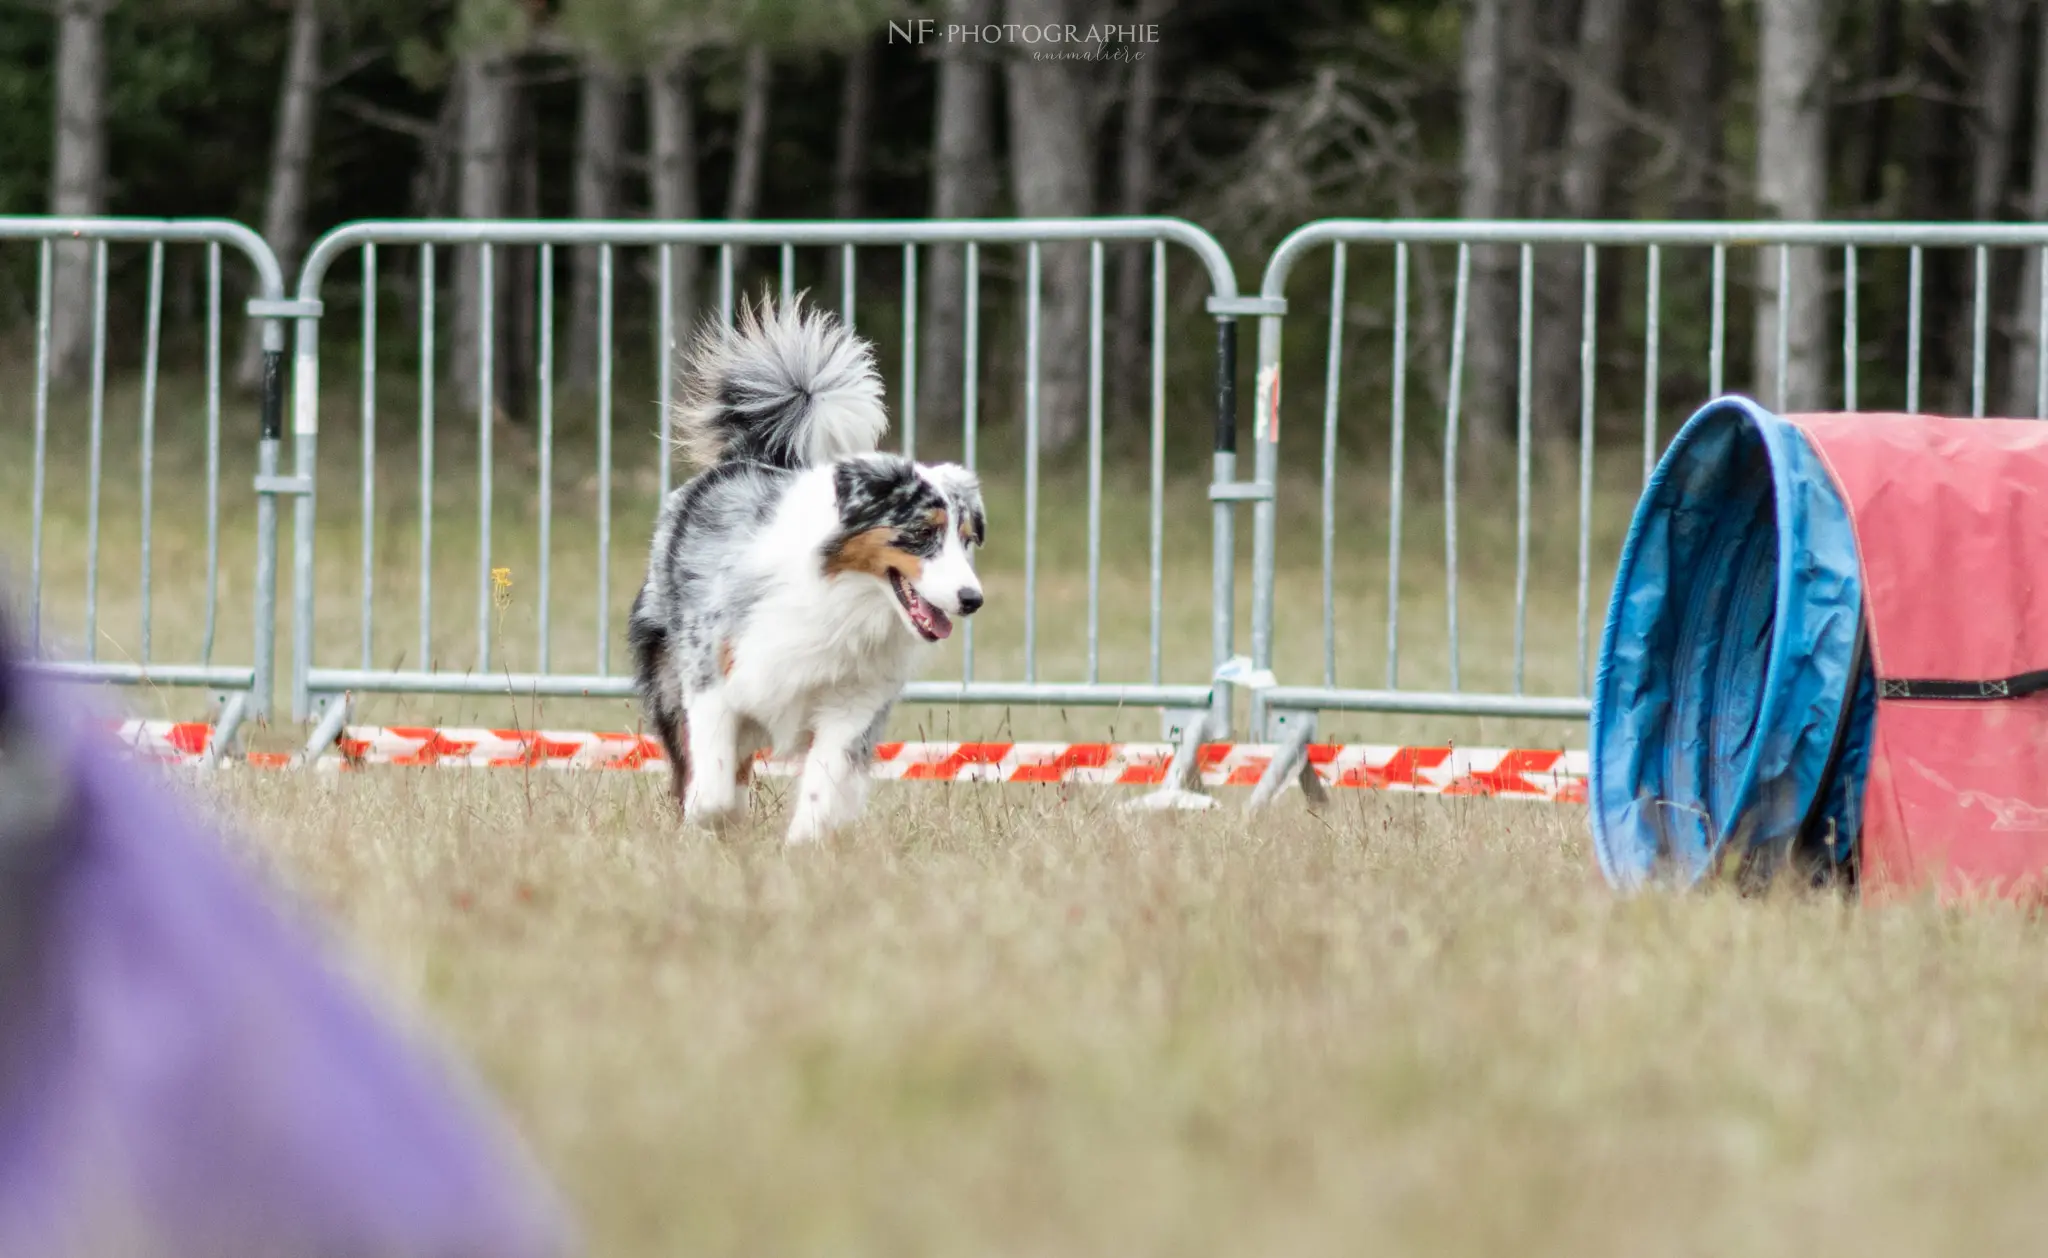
(270, 436)
(546, 488)
(1223, 514)
(788, 272)
(1980, 324)
(2041, 337)
(1453, 400)
(906, 400)
(1589, 331)
(665, 363)
(1652, 334)
(305, 453)
(604, 460)
(98, 423)
(1265, 470)
(1718, 330)
(1332, 382)
(1784, 303)
(369, 452)
(1398, 474)
(1851, 339)
(212, 451)
(1915, 274)
(486, 370)
(151, 359)
(846, 284)
(1523, 419)
(38, 486)
(1031, 351)
(426, 456)
(970, 402)
(725, 285)
(1094, 461)
(1158, 458)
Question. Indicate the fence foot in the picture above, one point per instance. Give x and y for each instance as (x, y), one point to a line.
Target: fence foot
(331, 723)
(225, 731)
(1291, 761)
(1183, 789)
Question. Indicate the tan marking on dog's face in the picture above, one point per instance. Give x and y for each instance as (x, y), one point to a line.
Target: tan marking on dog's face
(725, 659)
(744, 774)
(874, 552)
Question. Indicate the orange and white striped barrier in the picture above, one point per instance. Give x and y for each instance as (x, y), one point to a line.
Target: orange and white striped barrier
(1558, 776)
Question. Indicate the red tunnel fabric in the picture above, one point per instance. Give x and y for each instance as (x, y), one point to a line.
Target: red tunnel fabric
(1951, 519)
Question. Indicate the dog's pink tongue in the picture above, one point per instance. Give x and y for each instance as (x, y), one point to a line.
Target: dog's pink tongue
(942, 625)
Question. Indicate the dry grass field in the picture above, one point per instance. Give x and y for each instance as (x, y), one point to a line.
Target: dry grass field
(1001, 1021)
(1018, 1021)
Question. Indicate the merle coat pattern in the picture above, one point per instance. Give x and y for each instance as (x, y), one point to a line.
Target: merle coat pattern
(794, 582)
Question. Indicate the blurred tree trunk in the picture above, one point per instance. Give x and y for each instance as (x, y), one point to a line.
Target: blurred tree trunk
(1874, 131)
(1051, 160)
(1137, 166)
(672, 179)
(1697, 72)
(291, 155)
(1537, 100)
(1937, 178)
(1792, 184)
(600, 132)
(519, 289)
(482, 159)
(2023, 390)
(1487, 192)
(1994, 116)
(1690, 76)
(750, 145)
(963, 184)
(1592, 121)
(1997, 111)
(438, 158)
(1595, 112)
(78, 176)
(856, 117)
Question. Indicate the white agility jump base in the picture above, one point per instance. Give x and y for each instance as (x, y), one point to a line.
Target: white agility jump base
(1530, 774)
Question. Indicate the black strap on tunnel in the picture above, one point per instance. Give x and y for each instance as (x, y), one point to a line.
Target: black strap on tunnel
(2015, 687)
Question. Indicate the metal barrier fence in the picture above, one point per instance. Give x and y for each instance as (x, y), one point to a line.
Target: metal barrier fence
(1818, 272)
(1196, 707)
(80, 249)
(1287, 712)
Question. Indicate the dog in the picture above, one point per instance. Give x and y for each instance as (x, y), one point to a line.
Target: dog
(793, 582)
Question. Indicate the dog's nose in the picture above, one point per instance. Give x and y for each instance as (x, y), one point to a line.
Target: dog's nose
(970, 601)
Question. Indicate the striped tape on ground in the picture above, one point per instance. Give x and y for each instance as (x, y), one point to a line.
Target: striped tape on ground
(1510, 773)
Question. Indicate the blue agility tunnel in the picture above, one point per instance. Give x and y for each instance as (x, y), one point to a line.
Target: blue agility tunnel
(1732, 705)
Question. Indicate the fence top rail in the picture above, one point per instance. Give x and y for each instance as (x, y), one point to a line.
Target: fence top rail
(1222, 279)
(221, 231)
(1582, 232)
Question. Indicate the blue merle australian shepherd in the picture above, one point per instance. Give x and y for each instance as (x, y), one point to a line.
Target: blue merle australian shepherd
(793, 583)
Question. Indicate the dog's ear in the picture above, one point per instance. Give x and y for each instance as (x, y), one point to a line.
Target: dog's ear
(870, 488)
(962, 490)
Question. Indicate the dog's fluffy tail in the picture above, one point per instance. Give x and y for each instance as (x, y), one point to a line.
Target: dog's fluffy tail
(789, 387)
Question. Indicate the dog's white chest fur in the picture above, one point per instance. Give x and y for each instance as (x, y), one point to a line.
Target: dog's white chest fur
(815, 646)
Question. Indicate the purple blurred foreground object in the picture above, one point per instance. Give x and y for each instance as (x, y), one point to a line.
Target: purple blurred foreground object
(181, 1074)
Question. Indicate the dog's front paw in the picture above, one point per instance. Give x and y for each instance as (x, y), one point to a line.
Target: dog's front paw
(713, 812)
